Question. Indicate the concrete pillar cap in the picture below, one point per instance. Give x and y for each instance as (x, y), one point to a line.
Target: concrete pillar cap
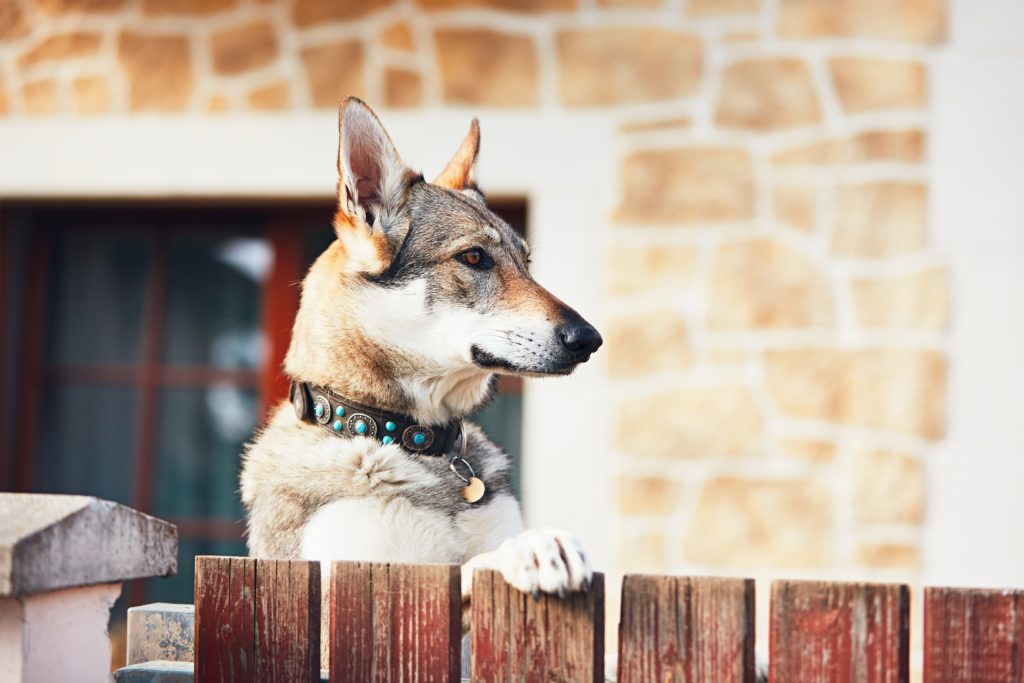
(49, 542)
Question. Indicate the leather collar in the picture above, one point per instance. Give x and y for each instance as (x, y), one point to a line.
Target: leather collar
(342, 417)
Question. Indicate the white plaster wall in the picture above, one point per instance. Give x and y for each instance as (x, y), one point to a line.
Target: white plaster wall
(974, 533)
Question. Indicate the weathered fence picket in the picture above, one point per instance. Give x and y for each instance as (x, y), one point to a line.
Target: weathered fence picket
(686, 629)
(516, 637)
(257, 620)
(973, 636)
(260, 620)
(839, 632)
(395, 622)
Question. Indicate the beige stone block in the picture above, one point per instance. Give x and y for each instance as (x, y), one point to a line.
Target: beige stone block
(56, 7)
(888, 488)
(761, 523)
(61, 46)
(273, 97)
(647, 495)
(887, 555)
(717, 8)
(92, 95)
(645, 343)
(243, 48)
(622, 65)
(919, 300)
(689, 423)
(761, 283)
(634, 269)
(13, 23)
(687, 186)
(631, 4)
(728, 357)
(641, 553)
(740, 37)
(796, 206)
(671, 123)
(906, 20)
(398, 36)
(871, 147)
(312, 12)
(864, 85)
(40, 97)
(195, 8)
(518, 6)
(879, 219)
(334, 71)
(3, 99)
(158, 70)
(810, 450)
(487, 68)
(218, 104)
(767, 94)
(893, 389)
(402, 88)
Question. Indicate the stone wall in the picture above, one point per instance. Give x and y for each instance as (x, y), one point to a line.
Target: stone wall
(775, 311)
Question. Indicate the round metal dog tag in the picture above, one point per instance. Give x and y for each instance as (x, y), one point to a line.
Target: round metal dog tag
(474, 491)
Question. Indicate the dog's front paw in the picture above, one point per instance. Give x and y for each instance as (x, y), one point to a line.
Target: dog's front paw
(545, 560)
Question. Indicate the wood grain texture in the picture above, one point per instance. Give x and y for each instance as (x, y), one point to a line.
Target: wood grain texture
(678, 629)
(395, 622)
(225, 619)
(257, 620)
(974, 636)
(517, 638)
(839, 632)
(287, 626)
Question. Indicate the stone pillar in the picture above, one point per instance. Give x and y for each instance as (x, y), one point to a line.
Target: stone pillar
(62, 561)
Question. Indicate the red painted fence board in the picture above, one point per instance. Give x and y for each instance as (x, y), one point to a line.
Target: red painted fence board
(973, 636)
(257, 620)
(839, 632)
(518, 638)
(678, 629)
(395, 622)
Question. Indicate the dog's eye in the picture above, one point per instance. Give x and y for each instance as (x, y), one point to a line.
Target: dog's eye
(476, 258)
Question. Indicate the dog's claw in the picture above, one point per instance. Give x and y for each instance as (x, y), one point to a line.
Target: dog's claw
(536, 594)
(561, 592)
(586, 585)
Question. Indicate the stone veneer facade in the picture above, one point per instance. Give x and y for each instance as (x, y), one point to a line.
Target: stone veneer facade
(775, 316)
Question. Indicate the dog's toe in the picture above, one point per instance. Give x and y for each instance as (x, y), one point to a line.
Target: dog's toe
(545, 560)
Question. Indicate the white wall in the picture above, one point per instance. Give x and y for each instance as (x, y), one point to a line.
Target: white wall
(975, 525)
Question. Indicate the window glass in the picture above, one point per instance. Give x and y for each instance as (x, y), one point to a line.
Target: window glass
(96, 298)
(199, 446)
(87, 439)
(213, 300)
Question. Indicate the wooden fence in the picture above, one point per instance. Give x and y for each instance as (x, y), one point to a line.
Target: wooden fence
(259, 620)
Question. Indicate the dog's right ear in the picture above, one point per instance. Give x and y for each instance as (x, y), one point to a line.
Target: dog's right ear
(372, 184)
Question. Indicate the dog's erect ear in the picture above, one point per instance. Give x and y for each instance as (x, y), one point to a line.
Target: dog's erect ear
(372, 183)
(458, 174)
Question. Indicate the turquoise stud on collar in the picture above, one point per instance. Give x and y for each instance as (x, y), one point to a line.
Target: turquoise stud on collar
(419, 438)
(386, 440)
(390, 426)
(360, 427)
(337, 425)
(318, 410)
(339, 411)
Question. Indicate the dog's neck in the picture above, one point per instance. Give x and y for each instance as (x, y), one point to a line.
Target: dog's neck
(365, 374)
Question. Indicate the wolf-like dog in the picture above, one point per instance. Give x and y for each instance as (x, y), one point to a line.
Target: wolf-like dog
(421, 300)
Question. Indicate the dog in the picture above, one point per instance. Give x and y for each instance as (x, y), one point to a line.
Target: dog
(404, 322)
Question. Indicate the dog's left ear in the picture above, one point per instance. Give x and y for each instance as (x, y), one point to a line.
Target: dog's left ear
(458, 174)
(372, 185)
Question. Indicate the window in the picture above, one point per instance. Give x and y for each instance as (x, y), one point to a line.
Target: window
(141, 346)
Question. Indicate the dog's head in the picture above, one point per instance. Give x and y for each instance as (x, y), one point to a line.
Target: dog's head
(429, 274)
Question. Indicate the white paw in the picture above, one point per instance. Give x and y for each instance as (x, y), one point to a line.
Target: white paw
(544, 560)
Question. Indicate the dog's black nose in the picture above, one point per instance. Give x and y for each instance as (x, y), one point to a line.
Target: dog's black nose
(581, 339)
